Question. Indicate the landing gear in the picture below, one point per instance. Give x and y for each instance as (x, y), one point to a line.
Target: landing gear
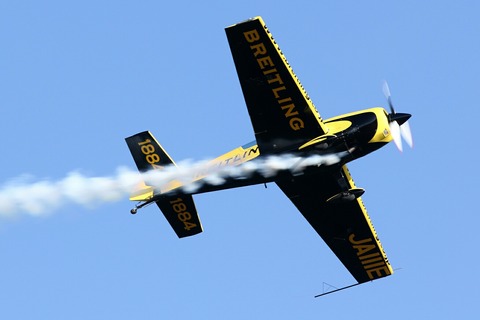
(141, 205)
(346, 196)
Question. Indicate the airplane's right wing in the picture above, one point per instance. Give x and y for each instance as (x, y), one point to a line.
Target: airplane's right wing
(281, 111)
(344, 225)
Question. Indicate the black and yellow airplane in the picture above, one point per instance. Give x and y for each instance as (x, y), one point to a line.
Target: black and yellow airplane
(285, 121)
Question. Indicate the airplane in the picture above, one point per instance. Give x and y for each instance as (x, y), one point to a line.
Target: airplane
(285, 121)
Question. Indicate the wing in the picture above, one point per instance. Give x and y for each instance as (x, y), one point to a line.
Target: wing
(344, 226)
(281, 112)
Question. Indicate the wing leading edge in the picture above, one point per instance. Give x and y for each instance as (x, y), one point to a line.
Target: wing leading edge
(344, 226)
(281, 111)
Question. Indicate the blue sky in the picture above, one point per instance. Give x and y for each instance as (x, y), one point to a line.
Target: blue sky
(78, 77)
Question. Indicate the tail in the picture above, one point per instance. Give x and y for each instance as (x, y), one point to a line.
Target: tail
(179, 209)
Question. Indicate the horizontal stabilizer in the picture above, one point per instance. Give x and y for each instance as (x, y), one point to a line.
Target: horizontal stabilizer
(182, 215)
(179, 210)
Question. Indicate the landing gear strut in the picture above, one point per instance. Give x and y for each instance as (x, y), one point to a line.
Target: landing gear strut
(141, 205)
(346, 196)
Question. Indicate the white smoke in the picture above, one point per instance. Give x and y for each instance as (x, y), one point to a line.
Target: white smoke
(37, 198)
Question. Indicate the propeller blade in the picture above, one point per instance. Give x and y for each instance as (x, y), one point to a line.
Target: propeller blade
(386, 92)
(406, 133)
(386, 89)
(398, 132)
(395, 131)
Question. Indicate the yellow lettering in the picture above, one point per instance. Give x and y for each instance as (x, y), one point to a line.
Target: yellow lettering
(363, 248)
(374, 265)
(265, 62)
(252, 150)
(259, 49)
(282, 101)
(377, 272)
(370, 256)
(183, 215)
(370, 261)
(296, 124)
(276, 79)
(290, 110)
(276, 90)
(269, 71)
(273, 77)
(352, 241)
(251, 36)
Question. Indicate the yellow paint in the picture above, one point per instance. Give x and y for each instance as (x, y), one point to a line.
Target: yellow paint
(237, 156)
(338, 126)
(316, 140)
(142, 193)
(174, 184)
(180, 208)
(374, 264)
(232, 158)
(382, 271)
(373, 270)
(383, 134)
(151, 156)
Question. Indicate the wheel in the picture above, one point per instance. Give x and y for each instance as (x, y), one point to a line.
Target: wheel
(133, 211)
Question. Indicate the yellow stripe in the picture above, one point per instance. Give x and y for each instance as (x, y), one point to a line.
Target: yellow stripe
(311, 106)
(367, 218)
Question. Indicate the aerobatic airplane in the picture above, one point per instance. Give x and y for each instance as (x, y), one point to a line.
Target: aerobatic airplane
(285, 121)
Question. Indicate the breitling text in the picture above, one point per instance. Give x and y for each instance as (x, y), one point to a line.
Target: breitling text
(274, 79)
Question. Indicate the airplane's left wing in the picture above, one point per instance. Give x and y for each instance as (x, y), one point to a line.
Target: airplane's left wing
(344, 226)
(281, 111)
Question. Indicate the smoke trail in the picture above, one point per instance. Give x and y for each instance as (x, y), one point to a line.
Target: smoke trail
(42, 197)
(37, 198)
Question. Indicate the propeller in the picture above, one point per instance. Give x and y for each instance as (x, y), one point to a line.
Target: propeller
(399, 126)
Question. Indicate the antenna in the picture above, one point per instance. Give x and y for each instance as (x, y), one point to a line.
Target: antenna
(335, 290)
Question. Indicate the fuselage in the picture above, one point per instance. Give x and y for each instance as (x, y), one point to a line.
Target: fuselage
(350, 137)
(363, 131)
